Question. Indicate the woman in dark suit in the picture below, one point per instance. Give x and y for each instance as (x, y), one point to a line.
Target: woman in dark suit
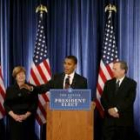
(20, 106)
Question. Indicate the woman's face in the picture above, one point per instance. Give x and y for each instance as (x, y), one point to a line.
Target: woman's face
(20, 77)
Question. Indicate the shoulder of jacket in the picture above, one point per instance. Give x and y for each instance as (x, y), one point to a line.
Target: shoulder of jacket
(131, 80)
(80, 77)
(58, 75)
(110, 80)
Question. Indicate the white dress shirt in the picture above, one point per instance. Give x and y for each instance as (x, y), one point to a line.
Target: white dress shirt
(121, 79)
(70, 79)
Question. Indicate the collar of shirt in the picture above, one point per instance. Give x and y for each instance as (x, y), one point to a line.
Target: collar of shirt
(71, 78)
(121, 79)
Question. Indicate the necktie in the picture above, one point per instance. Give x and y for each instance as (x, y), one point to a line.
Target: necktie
(117, 86)
(67, 82)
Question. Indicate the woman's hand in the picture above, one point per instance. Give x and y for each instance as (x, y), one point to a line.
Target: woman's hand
(25, 116)
(19, 118)
(15, 116)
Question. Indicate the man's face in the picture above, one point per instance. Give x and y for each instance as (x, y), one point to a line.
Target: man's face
(69, 66)
(117, 71)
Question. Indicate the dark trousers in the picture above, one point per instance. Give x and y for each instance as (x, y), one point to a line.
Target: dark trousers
(22, 130)
(112, 132)
(2, 130)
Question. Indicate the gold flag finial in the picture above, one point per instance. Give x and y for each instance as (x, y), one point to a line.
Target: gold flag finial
(110, 8)
(41, 8)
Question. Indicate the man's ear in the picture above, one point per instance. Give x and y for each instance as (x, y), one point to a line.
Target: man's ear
(124, 71)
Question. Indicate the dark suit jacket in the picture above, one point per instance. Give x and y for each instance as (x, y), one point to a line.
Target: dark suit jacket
(20, 100)
(123, 100)
(79, 82)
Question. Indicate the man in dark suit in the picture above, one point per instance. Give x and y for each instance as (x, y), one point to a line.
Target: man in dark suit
(68, 79)
(117, 99)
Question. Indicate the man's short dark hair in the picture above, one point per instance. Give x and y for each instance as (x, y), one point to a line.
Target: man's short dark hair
(123, 65)
(72, 57)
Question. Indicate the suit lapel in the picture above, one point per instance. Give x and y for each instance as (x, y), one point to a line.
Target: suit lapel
(122, 84)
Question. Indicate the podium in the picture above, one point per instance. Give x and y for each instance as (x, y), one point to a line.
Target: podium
(70, 124)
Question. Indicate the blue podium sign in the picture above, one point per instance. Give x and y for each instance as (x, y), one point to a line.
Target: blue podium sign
(70, 99)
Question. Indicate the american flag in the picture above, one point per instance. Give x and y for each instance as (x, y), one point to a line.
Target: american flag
(2, 95)
(40, 71)
(109, 55)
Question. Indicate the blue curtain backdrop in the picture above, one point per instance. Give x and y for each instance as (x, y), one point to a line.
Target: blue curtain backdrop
(72, 27)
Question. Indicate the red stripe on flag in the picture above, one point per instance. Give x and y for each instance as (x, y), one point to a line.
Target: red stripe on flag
(42, 74)
(1, 74)
(39, 119)
(45, 97)
(34, 77)
(99, 107)
(109, 70)
(99, 89)
(2, 92)
(2, 110)
(47, 67)
(43, 111)
(103, 77)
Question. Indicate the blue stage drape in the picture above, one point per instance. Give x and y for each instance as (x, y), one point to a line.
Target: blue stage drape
(72, 27)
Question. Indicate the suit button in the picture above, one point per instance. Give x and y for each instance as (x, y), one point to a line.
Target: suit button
(19, 94)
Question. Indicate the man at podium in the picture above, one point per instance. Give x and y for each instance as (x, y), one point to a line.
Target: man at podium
(68, 79)
(69, 129)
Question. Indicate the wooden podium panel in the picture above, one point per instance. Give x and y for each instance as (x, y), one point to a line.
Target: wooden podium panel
(70, 124)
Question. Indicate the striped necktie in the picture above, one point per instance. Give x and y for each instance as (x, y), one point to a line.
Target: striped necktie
(67, 82)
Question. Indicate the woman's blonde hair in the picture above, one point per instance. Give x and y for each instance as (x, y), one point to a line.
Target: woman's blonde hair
(17, 70)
